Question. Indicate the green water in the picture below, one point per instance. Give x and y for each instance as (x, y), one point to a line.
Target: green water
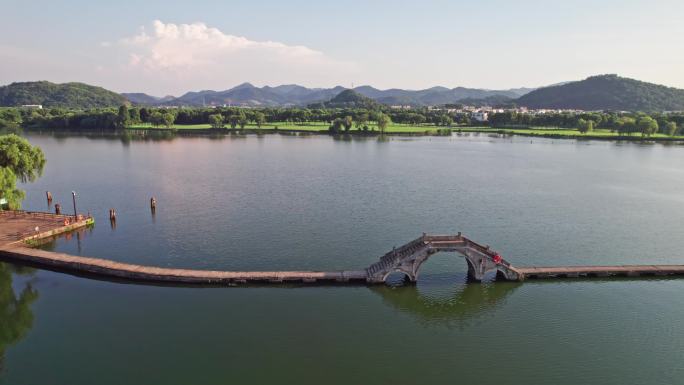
(276, 202)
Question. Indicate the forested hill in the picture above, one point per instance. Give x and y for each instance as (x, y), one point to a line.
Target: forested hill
(606, 92)
(347, 99)
(69, 95)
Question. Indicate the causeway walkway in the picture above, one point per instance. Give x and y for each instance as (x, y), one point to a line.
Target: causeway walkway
(19, 229)
(600, 271)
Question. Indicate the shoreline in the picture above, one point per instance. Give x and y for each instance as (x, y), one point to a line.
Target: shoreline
(526, 132)
(548, 134)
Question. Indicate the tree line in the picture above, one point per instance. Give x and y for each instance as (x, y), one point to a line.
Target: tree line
(233, 117)
(339, 120)
(621, 123)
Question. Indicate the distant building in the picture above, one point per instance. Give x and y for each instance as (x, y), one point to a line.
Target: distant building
(479, 116)
(37, 106)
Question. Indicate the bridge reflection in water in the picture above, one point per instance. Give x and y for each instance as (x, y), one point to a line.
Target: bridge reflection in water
(450, 303)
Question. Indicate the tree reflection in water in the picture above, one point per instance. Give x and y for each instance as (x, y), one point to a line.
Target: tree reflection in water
(16, 317)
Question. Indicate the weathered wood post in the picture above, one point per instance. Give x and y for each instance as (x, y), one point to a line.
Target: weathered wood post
(112, 218)
(48, 195)
(58, 209)
(153, 204)
(73, 197)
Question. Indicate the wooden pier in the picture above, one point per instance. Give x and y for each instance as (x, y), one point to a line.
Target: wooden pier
(18, 229)
(21, 227)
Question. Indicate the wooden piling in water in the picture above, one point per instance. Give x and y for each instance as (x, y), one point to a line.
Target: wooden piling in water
(58, 209)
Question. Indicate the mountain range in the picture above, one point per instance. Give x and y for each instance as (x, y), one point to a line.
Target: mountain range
(602, 92)
(247, 94)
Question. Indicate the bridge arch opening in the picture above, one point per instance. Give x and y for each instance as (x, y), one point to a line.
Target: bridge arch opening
(397, 278)
(490, 276)
(441, 267)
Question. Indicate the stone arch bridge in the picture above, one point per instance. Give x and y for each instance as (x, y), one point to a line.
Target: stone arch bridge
(409, 258)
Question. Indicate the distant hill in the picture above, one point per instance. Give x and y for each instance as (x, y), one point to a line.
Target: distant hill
(521, 91)
(431, 96)
(489, 101)
(349, 99)
(142, 99)
(69, 95)
(247, 94)
(606, 92)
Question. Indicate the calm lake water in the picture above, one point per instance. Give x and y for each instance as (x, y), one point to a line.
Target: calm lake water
(280, 202)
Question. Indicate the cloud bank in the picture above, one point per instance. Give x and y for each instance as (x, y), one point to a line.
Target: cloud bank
(193, 56)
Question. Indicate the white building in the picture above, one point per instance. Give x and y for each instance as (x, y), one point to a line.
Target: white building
(479, 116)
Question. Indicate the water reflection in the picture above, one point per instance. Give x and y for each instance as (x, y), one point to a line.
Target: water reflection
(159, 135)
(452, 305)
(16, 317)
(125, 136)
(51, 243)
(11, 130)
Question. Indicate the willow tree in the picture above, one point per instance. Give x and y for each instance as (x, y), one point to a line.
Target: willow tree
(647, 125)
(19, 161)
(383, 121)
(671, 128)
(216, 121)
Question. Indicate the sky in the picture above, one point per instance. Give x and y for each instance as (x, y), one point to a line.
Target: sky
(171, 47)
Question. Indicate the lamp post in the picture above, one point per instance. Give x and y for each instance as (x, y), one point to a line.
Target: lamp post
(73, 198)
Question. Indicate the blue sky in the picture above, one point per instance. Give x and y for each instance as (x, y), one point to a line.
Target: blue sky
(169, 47)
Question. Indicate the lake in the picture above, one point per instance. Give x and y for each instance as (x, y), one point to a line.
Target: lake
(279, 202)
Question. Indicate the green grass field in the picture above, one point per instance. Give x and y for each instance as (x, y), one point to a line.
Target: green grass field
(395, 128)
(287, 126)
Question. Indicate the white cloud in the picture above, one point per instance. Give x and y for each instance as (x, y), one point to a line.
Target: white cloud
(191, 55)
